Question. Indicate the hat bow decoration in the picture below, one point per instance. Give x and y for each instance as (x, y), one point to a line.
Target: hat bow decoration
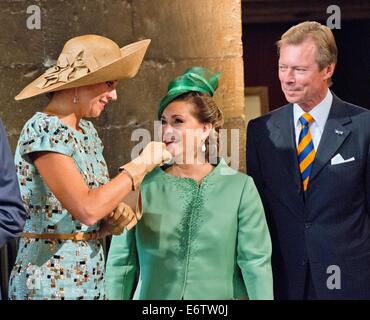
(69, 67)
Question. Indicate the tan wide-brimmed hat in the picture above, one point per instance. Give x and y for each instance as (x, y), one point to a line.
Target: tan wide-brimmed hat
(86, 60)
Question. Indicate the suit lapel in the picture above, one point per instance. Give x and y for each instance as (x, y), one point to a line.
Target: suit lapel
(333, 136)
(283, 137)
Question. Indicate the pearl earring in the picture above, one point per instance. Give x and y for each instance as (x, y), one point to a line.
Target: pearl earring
(204, 146)
(75, 98)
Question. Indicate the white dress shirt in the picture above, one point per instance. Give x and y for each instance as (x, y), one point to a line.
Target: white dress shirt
(319, 113)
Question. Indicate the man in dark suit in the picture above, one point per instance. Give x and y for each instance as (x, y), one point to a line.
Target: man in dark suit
(310, 160)
(12, 212)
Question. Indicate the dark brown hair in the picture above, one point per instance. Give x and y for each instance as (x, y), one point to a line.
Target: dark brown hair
(205, 110)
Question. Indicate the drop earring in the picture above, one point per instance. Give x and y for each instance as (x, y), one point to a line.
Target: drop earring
(75, 98)
(204, 146)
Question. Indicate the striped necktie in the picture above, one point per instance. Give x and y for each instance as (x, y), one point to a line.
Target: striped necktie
(306, 151)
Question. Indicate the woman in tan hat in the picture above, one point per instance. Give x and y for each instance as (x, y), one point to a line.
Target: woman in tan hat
(64, 178)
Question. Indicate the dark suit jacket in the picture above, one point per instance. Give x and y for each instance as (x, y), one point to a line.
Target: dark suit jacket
(12, 212)
(329, 225)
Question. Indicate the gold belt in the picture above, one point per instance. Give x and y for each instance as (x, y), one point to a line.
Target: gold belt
(79, 236)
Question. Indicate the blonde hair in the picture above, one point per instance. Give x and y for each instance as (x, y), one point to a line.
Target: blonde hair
(323, 37)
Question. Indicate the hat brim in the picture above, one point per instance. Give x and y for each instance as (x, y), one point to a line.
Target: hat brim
(125, 67)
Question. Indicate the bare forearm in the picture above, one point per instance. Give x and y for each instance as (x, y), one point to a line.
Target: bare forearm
(101, 201)
(69, 187)
(64, 179)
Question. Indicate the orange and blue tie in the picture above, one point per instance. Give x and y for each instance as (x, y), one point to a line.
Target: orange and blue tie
(306, 151)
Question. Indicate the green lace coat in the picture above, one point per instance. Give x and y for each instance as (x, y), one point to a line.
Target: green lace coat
(207, 241)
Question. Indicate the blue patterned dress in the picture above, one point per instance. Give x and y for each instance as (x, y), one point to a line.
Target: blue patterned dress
(57, 269)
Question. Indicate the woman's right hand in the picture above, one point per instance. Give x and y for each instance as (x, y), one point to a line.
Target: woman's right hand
(153, 155)
(90, 205)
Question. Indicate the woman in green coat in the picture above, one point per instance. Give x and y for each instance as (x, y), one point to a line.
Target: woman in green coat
(203, 234)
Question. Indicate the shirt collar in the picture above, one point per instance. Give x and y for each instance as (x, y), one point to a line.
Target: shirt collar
(320, 112)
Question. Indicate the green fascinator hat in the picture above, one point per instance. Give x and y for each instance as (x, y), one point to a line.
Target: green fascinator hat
(197, 79)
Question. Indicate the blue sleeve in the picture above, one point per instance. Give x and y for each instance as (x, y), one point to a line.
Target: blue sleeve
(45, 133)
(12, 212)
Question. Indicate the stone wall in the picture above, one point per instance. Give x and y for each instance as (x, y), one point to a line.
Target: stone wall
(183, 33)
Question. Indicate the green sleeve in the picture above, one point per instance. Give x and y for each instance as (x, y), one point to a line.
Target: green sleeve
(121, 266)
(254, 245)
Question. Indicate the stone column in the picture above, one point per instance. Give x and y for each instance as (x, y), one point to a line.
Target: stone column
(191, 33)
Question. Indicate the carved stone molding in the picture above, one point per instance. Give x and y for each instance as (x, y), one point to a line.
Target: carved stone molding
(270, 11)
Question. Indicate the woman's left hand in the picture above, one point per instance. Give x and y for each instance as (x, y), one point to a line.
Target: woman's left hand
(115, 222)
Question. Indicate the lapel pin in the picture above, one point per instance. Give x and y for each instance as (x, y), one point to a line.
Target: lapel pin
(338, 132)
